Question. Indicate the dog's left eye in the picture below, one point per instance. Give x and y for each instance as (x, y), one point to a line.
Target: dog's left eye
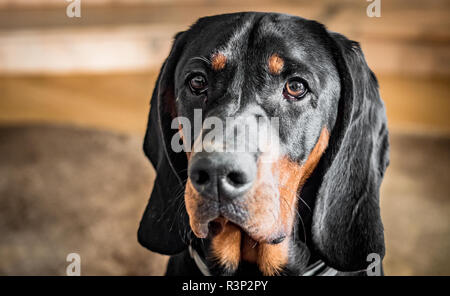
(198, 84)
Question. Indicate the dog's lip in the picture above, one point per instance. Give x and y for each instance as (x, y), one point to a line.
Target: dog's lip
(217, 225)
(210, 228)
(213, 224)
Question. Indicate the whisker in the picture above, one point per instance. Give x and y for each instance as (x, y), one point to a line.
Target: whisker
(297, 213)
(304, 202)
(298, 196)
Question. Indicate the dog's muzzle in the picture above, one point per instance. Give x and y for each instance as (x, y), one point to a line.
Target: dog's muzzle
(222, 181)
(236, 181)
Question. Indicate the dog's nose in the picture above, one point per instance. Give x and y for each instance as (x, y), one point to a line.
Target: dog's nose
(222, 174)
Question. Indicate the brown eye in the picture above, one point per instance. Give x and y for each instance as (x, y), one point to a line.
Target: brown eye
(295, 88)
(198, 84)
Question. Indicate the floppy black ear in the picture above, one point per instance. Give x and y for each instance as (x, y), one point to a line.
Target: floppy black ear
(163, 227)
(346, 223)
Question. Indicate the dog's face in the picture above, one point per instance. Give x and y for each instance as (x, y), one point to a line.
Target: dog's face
(254, 74)
(288, 96)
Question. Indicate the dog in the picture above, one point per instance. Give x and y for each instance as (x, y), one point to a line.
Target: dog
(307, 205)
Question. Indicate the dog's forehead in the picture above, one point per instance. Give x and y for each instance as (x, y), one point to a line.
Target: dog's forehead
(237, 36)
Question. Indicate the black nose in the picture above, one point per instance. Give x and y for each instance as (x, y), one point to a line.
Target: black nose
(222, 174)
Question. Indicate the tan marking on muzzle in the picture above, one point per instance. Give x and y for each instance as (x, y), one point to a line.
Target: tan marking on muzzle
(226, 247)
(276, 64)
(218, 61)
(292, 177)
(272, 258)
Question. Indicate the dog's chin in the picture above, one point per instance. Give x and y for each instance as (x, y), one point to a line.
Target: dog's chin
(217, 225)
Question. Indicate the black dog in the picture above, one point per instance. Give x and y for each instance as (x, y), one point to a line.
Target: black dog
(313, 208)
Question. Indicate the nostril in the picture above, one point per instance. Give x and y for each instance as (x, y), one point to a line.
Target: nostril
(236, 178)
(201, 177)
(217, 174)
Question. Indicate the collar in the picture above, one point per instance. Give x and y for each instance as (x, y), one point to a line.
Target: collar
(318, 268)
(199, 262)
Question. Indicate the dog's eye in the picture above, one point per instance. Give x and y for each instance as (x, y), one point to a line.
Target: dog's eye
(198, 84)
(295, 88)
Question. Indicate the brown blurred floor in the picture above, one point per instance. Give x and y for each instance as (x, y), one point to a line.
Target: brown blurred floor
(66, 189)
(415, 206)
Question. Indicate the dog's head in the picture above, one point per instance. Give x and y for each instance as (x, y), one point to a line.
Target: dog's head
(273, 112)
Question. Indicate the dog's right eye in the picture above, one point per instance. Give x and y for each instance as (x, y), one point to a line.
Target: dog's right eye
(295, 89)
(198, 84)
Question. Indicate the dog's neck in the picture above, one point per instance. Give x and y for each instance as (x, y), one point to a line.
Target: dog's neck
(207, 268)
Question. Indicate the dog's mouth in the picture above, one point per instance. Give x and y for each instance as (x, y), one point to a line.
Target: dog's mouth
(208, 219)
(217, 226)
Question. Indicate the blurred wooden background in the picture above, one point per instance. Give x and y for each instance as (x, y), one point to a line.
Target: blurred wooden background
(121, 45)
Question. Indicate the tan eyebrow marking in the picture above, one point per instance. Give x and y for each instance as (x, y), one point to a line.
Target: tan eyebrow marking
(276, 64)
(218, 61)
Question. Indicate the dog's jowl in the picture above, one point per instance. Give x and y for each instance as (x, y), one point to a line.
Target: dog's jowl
(305, 202)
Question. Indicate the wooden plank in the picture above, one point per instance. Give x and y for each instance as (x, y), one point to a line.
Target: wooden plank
(117, 102)
(100, 49)
(410, 38)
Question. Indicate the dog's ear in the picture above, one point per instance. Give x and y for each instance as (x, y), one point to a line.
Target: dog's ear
(347, 225)
(163, 227)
